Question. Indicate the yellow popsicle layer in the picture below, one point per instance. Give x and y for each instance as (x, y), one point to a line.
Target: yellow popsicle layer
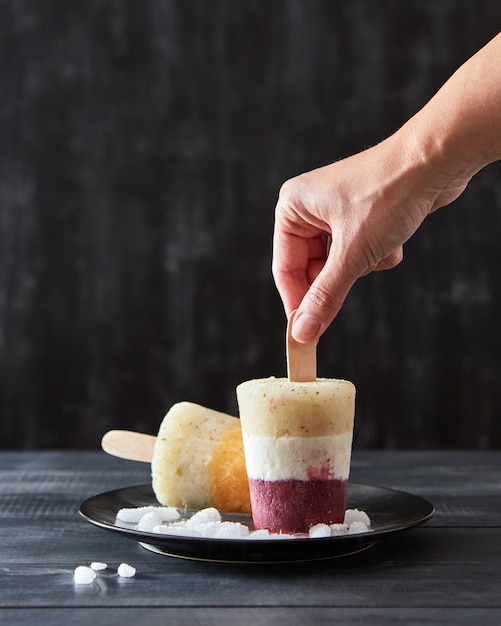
(198, 460)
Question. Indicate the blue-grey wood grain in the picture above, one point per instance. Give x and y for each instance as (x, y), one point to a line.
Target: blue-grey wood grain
(445, 572)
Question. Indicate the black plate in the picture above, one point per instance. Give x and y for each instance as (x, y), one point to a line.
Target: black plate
(390, 512)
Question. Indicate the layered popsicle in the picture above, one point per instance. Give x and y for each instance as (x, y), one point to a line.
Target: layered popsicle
(198, 460)
(297, 440)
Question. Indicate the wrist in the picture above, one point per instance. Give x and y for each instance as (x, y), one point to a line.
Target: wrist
(459, 129)
(443, 162)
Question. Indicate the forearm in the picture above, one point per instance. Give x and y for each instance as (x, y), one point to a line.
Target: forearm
(459, 129)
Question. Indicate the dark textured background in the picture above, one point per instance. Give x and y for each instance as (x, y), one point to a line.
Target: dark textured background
(142, 146)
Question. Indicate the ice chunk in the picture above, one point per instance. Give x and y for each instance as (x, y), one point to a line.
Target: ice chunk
(262, 533)
(97, 566)
(179, 531)
(319, 530)
(355, 515)
(168, 513)
(208, 529)
(338, 530)
(163, 529)
(132, 516)
(84, 575)
(357, 527)
(231, 530)
(203, 516)
(180, 524)
(148, 521)
(126, 571)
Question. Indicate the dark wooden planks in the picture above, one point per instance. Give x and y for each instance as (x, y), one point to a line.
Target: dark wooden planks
(464, 486)
(394, 575)
(446, 572)
(282, 616)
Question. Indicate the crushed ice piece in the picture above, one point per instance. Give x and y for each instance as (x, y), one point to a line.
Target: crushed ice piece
(163, 529)
(97, 566)
(357, 527)
(168, 513)
(148, 521)
(355, 515)
(126, 571)
(179, 531)
(202, 517)
(337, 530)
(262, 533)
(319, 530)
(208, 523)
(208, 529)
(84, 575)
(231, 530)
(132, 516)
(179, 524)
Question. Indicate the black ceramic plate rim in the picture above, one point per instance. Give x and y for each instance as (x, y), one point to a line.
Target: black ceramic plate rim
(263, 550)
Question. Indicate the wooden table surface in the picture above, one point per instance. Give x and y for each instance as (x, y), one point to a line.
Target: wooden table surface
(447, 571)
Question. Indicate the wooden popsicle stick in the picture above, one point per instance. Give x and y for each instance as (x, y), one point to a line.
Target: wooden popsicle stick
(127, 444)
(301, 357)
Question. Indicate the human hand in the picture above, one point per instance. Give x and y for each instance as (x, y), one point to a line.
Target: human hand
(340, 222)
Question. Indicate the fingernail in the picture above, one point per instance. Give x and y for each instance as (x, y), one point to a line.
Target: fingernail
(305, 328)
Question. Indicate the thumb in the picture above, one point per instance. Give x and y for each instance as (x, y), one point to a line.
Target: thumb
(321, 303)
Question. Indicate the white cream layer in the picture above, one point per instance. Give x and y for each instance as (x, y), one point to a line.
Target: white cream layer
(298, 458)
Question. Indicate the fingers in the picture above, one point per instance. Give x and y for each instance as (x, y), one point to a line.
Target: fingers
(326, 237)
(297, 261)
(322, 301)
(289, 268)
(325, 296)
